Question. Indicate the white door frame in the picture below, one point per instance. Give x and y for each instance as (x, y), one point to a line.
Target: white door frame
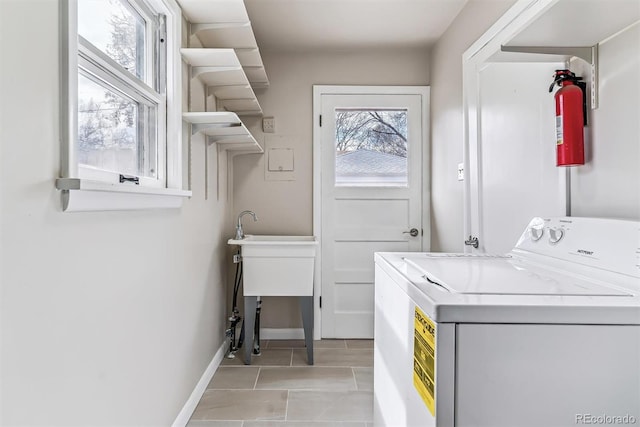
(474, 59)
(318, 91)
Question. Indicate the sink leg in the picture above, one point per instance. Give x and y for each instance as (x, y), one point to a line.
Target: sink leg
(250, 304)
(306, 307)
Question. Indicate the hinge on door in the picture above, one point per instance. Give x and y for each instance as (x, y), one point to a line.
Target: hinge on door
(320, 120)
(320, 301)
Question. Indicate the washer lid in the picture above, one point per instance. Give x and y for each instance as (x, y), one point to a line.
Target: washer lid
(502, 276)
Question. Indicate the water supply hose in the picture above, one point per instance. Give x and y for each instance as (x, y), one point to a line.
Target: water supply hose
(235, 314)
(256, 332)
(235, 318)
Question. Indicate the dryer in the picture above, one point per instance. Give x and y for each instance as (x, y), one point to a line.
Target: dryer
(545, 335)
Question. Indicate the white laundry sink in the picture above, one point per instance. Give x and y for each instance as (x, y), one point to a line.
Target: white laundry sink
(277, 265)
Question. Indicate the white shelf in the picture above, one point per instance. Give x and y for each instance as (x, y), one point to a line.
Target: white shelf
(223, 128)
(251, 62)
(212, 118)
(257, 77)
(235, 92)
(225, 35)
(221, 72)
(581, 23)
(562, 29)
(238, 37)
(204, 11)
(558, 30)
(200, 57)
(242, 107)
(249, 57)
(224, 24)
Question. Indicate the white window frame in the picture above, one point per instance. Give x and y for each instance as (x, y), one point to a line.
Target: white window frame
(85, 189)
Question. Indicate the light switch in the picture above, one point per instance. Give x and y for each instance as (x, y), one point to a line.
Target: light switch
(280, 159)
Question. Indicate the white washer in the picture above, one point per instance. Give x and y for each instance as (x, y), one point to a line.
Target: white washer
(546, 335)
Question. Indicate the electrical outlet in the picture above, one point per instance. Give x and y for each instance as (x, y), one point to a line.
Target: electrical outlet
(268, 124)
(460, 171)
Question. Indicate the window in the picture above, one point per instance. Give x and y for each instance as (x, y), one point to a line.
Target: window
(121, 91)
(121, 78)
(371, 147)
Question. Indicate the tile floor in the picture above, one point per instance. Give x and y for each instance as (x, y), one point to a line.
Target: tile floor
(279, 389)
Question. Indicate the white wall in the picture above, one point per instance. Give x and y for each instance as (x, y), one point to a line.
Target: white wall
(608, 185)
(446, 119)
(285, 207)
(106, 318)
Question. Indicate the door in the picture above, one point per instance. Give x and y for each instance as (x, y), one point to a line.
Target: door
(371, 185)
(512, 153)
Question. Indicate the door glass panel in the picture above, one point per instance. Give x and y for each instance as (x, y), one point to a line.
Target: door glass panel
(371, 148)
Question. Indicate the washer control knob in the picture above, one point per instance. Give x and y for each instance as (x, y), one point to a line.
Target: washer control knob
(536, 233)
(555, 235)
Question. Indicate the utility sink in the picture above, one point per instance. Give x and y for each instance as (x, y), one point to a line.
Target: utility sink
(277, 265)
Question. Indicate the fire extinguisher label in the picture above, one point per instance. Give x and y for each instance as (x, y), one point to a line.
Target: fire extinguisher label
(559, 131)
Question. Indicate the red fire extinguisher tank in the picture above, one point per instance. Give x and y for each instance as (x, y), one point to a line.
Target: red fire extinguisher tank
(569, 120)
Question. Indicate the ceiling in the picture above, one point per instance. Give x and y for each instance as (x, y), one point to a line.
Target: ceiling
(302, 25)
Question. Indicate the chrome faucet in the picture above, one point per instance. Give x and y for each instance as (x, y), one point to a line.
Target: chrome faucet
(239, 231)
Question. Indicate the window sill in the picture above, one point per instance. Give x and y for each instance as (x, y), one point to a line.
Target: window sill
(82, 195)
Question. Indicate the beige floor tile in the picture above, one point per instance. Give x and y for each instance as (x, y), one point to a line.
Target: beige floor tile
(210, 423)
(302, 424)
(242, 405)
(364, 378)
(306, 378)
(354, 344)
(285, 344)
(330, 406)
(234, 377)
(269, 357)
(335, 357)
(329, 344)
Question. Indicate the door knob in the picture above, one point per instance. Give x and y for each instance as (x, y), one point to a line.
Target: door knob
(413, 232)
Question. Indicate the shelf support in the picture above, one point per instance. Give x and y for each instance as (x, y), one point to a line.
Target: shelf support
(230, 139)
(195, 29)
(206, 171)
(589, 54)
(259, 85)
(196, 71)
(199, 127)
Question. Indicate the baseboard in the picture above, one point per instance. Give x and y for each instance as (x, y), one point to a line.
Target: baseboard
(187, 410)
(281, 334)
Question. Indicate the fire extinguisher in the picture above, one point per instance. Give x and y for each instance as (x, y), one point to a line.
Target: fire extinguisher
(570, 118)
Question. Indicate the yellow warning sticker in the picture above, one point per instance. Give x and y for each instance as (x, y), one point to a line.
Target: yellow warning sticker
(424, 351)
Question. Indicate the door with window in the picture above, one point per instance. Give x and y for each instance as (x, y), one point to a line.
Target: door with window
(370, 189)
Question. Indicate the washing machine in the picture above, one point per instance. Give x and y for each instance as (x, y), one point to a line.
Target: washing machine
(545, 335)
